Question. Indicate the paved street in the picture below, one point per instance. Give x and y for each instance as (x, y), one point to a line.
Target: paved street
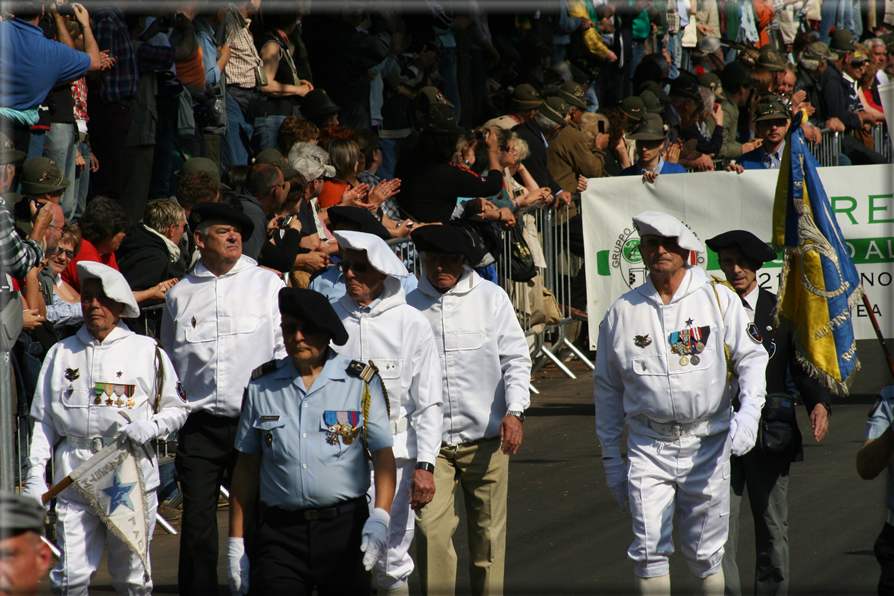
(567, 536)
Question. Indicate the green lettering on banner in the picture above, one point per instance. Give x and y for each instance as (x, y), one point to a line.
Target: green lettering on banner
(603, 266)
(872, 250)
(851, 205)
(886, 208)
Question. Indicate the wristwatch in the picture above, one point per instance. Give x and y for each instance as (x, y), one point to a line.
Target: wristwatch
(426, 466)
(518, 414)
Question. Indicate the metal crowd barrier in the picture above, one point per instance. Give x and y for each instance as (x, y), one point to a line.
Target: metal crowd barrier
(883, 144)
(827, 152)
(547, 343)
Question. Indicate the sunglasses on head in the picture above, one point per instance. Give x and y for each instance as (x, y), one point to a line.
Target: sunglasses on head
(358, 267)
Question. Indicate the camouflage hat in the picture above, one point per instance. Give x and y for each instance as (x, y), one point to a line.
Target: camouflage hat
(772, 61)
(8, 152)
(633, 107)
(41, 175)
(317, 104)
(842, 42)
(525, 98)
(771, 110)
(274, 157)
(429, 96)
(201, 164)
(859, 56)
(651, 102)
(554, 109)
(818, 50)
(712, 82)
(573, 94)
(650, 128)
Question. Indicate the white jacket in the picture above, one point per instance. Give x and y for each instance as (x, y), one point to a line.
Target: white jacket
(399, 342)
(65, 400)
(217, 330)
(649, 380)
(484, 356)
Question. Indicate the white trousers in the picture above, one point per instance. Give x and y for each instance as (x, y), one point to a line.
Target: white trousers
(393, 570)
(82, 538)
(692, 475)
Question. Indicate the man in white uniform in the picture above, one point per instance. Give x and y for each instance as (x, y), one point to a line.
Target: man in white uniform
(661, 368)
(86, 383)
(486, 372)
(398, 340)
(219, 324)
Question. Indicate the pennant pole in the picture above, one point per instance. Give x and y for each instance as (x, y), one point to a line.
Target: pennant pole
(878, 333)
(57, 488)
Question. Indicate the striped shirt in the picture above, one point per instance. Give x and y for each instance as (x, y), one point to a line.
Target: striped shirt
(240, 70)
(17, 256)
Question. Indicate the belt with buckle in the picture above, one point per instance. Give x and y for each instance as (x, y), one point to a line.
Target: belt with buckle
(317, 514)
(672, 429)
(400, 426)
(95, 444)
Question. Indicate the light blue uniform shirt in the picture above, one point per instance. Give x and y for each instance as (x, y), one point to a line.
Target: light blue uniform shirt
(331, 284)
(300, 469)
(879, 421)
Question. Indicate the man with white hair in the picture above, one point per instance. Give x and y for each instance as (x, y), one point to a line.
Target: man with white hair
(103, 382)
(664, 355)
(219, 324)
(398, 340)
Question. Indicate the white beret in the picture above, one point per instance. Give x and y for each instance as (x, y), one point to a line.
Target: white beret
(113, 284)
(662, 224)
(379, 254)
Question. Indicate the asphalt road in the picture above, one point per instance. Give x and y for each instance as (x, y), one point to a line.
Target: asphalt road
(567, 536)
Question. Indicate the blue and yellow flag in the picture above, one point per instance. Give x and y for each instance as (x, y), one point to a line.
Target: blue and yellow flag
(819, 284)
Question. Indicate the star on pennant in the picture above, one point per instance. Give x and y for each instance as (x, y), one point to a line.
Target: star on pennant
(689, 323)
(119, 493)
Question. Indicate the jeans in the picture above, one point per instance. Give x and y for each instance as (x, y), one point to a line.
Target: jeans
(265, 130)
(232, 150)
(447, 68)
(59, 145)
(389, 158)
(676, 53)
(838, 14)
(81, 183)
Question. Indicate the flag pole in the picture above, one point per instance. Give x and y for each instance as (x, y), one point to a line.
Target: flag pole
(878, 333)
(58, 488)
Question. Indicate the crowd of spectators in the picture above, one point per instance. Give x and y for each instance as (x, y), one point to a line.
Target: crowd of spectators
(120, 120)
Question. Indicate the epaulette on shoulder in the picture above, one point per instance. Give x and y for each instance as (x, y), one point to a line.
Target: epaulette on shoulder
(262, 370)
(361, 370)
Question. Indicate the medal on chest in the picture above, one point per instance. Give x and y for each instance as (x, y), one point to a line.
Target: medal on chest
(123, 394)
(688, 343)
(341, 424)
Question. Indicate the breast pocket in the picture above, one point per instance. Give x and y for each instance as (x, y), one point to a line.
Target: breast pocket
(461, 341)
(390, 369)
(238, 325)
(274, 441)
(76, 398)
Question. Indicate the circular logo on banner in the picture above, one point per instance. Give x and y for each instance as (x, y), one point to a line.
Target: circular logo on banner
(627, 260)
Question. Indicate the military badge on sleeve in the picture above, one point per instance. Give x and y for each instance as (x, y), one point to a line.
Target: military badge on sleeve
(181, 391)
(753, 333)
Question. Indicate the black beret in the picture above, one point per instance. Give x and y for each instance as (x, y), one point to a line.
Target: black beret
(221, 212)
(443, 239)
(367, 221)
(19, 513)
(314, 308)
(750, 245)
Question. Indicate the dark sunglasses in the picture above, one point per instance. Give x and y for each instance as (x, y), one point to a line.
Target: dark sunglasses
(358, 267)
(68, 253)
(858, 64)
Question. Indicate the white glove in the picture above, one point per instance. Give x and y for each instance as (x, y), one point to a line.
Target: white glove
(743, 429)
(140, 431)
(237, 566)
(616, 479)
(36, 487)
(374, 541)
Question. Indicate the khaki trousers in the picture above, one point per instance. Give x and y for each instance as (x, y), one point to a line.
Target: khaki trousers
(482, 471)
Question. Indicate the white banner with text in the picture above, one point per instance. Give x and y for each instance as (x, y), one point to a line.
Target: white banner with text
(711, 203)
